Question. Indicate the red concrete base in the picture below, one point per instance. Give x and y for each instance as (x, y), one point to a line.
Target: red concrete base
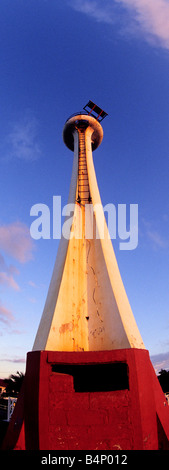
(90, 401)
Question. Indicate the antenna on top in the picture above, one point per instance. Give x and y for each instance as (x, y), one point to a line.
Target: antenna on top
(91, 108)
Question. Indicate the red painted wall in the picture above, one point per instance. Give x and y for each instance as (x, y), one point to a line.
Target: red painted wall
(55, 416)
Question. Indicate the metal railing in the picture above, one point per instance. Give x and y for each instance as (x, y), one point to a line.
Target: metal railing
(77, 114)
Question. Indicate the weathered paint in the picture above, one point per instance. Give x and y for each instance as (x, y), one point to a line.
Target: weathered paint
(57, 417)
(87, 307)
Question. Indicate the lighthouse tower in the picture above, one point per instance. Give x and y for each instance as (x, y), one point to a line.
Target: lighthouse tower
(89, 381)
(87, 308)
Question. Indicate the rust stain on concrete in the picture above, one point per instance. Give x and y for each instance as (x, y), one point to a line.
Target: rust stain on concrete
(66, 327)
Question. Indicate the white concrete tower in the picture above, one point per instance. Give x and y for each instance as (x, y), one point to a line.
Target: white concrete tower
(87, 308)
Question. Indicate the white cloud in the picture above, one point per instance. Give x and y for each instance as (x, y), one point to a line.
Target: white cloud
(16, 332)
(152, 16)
(148, 17)
(153, 235)
(157, 239)
(8, 281)
(6, 315)
(9, 269)
(15, 359)
(16, 241)
(22, 140)
(160, 361)
(32, 300)
(6, 274)
(32, 284)
(95, 9)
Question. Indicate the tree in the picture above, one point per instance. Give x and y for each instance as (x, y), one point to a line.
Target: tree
(163, 378)
(14, 383)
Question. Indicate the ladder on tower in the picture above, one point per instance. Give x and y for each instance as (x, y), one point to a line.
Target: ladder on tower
(83, 182)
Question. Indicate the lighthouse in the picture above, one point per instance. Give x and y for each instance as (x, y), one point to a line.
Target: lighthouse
(87, 308)
(89, 380)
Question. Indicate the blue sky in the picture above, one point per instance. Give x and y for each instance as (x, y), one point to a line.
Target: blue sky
(55, 55)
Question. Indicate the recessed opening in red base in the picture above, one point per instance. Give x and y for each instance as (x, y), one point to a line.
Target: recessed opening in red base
(96, 377)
